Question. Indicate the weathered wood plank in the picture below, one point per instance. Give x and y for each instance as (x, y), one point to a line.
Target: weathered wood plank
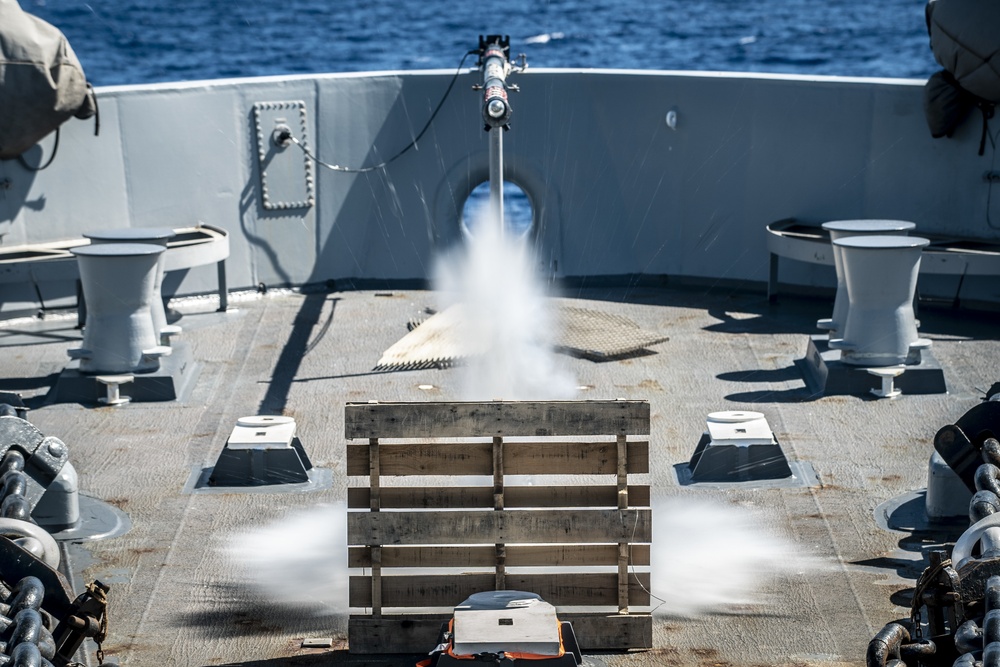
(498, 481)
(621, 471)
(623, 547)
(460, 458)
(495, 418)
(499, 527)
(413, 633)
(519, 458)
(624, 578)
(473, 497)
(500, 550)
(555, 555)
(374, 475)
(409, 633)
(539, 538)
(599, 589)
(612, 632)
(375, 580)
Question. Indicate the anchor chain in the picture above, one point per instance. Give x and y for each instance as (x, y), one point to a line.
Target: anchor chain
(955, 611)
(937, 591)
(13, 486)
(25, 624)
(40, 621)
(27, 638)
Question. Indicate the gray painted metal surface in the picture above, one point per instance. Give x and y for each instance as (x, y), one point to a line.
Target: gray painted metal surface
(636, 196)
(177, 598)
(261, 450)
(614, 189)
(738, 447)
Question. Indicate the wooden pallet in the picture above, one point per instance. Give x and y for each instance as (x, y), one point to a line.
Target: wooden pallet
(601, 531)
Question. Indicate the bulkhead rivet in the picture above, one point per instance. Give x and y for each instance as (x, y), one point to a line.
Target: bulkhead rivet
(56, 448)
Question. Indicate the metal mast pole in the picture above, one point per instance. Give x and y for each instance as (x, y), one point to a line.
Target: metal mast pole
(496, 177)
(495, 66)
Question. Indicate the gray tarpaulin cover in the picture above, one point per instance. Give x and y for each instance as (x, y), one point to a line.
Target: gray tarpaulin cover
(965, 38)
(41, 81)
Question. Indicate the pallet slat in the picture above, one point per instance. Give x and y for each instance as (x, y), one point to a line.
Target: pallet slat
(555, 555)
(569, 589)
(495, 418)
(520, 458)
(471, 497)
(499, 527)
(418, 633)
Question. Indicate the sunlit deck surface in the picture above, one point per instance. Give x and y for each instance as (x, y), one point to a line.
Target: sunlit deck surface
(175, 600)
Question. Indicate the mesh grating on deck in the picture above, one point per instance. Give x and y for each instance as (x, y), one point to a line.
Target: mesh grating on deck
(436, 342)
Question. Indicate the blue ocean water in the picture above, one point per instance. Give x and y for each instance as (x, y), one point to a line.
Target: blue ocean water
(143, 41)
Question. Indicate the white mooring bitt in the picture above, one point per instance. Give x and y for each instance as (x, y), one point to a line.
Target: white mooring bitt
(947, 495)
(881, 277)
(839, 229)
(118, 281)
(155, 236)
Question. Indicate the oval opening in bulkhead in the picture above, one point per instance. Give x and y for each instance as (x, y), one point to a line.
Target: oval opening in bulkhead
(519, 217)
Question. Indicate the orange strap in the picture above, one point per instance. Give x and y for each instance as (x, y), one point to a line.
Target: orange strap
(507, 654)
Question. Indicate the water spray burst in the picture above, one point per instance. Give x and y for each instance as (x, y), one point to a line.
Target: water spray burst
(299, 561)
(506, 319)
(713, 558)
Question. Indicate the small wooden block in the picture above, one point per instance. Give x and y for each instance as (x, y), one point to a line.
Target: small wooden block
(317, 642)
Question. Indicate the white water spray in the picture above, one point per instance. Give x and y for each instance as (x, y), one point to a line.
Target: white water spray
(506, 319)
(299, 560)
(708, 558)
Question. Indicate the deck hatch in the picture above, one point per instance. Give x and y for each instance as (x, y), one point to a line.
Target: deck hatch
(286, 177)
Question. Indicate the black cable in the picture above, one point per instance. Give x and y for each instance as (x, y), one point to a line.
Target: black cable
(55, 149)
(287, 136)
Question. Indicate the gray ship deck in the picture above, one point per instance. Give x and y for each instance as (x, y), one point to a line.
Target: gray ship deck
(175, 599)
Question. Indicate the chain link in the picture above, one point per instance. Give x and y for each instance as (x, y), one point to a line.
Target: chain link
(928, 577)
(101, 597)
